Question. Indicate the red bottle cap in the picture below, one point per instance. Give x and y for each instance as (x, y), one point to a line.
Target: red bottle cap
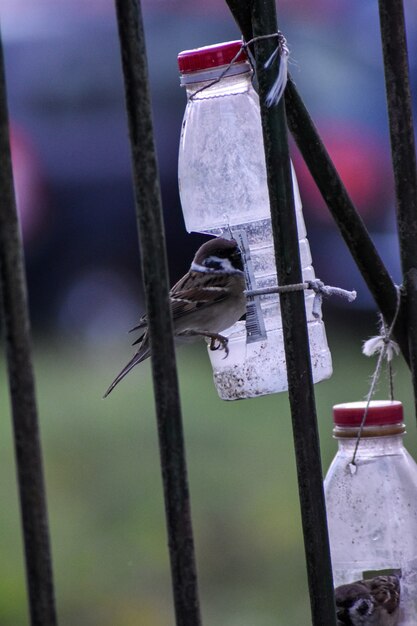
(211, 56)
(380, 412)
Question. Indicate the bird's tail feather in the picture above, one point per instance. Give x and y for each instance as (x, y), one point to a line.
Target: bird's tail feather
(140, 356)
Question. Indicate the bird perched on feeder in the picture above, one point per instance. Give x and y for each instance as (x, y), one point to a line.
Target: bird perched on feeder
(371, 602)
(204, 302)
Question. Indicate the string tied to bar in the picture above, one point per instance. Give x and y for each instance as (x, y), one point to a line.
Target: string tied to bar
(281, 52)
(386, 348)
(316, 285)
(382, 342)
(320, 290)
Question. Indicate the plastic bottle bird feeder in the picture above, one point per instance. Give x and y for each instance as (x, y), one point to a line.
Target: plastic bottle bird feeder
(372, 505)
(223, 190)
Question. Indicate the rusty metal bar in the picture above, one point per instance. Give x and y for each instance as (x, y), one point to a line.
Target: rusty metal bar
(296, 342)
(155, 279)
(335, 195)
(400, 113)
(14, 308)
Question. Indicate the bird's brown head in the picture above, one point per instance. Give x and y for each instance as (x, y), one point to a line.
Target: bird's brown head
(222, 255)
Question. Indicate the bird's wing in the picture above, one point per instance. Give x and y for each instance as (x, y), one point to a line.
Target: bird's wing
(140, 355)
(386, 591)
(192, 292)
(143, 323)
(143, 326)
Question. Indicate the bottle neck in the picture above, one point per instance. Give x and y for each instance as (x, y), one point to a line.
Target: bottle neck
(342, 432)
(374, 445)
(211, 83)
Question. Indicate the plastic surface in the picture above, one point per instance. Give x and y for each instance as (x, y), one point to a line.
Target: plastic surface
(210, 56)
(380, 412)
(223, 190)
(372, 515)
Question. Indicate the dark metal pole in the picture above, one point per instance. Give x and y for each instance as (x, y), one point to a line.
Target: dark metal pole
(335, 195)
(22, 389)
(394, 47)
(348, 220)
(155, 278)
(297, 352)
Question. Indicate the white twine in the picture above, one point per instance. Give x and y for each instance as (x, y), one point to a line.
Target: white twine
(278, 88)
(319, 288)
(379, 343)
(386, 348)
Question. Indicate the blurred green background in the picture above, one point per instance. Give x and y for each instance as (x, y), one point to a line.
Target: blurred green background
(105, 495)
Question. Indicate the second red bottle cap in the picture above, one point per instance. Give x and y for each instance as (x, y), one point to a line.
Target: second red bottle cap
(380, 412)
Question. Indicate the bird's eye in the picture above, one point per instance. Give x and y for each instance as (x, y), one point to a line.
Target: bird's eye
(212, 263)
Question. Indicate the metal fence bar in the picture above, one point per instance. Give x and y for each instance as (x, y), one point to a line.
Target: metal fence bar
(155, 278)
(346, 216)
(296, 342)
(335, 195)
(22, 389)
(397, 83)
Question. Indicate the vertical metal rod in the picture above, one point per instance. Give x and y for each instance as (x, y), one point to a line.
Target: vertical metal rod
(397, 83)
(22, 389)
(155, 278)
(335, 195)
(297, 352)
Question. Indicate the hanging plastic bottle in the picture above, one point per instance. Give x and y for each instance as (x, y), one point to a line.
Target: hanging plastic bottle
(372, 505)
(223, 190)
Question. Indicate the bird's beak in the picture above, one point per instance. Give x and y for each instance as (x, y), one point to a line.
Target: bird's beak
(237, 260)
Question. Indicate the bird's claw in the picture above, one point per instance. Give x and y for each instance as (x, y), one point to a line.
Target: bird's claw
(221, 344)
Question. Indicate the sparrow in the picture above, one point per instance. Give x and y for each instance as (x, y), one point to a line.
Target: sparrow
(204, 302)
(371, 602)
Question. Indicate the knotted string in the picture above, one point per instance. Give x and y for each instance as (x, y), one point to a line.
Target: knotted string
(278, 88)
(375, 344)
(386, 349)
(319, 288)
(281, 51)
